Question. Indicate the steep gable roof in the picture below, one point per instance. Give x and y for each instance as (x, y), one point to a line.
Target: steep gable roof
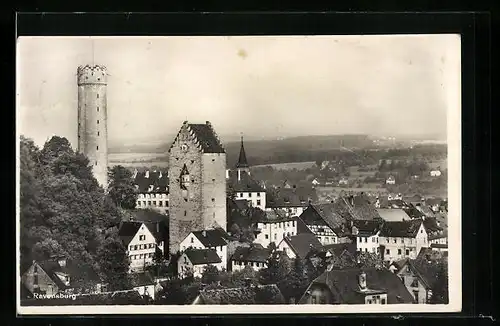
(291, 197)
(244, 184)
(159, 230)
(345, 288)
(128, 230)
(426, 270)
(366, 227)
(325, 214)
(151, 182)
(405, 229)
(52, 266)
(204, 135)
(252, 253)
(261, 294)
(302, 244)
(202, 256)
(211, 238)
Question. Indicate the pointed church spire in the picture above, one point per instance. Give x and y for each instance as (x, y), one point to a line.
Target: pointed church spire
(242, 161)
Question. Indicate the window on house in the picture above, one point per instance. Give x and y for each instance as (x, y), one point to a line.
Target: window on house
(149, 202)
(185, 213)
(382, 301)
(415, 294)
(161, 203)
(258, 194)
(387, 251)
(142, 237)
(131, 248)
(241, 194)
(35, 279)
(360, 239)
(373, 239)
(314, 300)
(275, 236)
(213, 199)
(407, 252)
(366, 249)
(192, 240)
(135, 247)
(399, 251)
(97, 121)
(267, 236)
(395, 240)
(258, 202)
(366, 240)
(414, 283)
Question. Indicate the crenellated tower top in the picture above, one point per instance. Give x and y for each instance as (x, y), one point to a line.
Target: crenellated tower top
(92, 75)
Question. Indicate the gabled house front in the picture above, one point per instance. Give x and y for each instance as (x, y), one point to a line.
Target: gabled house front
(419, 276)
(299, 246)
(194, 261)
(399, 240)
(52, 276)
(143, 240)
(216, 239)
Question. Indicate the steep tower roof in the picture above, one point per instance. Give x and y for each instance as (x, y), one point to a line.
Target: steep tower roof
(242, 160)
(205, 137)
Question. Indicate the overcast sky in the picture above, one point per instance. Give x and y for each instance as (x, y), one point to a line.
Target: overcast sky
(259, 86)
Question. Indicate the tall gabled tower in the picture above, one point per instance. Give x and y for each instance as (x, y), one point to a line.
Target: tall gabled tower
(92, 119)
(242, 165)
(197, 167)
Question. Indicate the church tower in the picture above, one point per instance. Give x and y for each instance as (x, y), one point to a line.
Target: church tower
(242, 165)
(92, 119)
(197, 182)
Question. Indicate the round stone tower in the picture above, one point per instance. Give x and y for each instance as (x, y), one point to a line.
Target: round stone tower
(92, 119)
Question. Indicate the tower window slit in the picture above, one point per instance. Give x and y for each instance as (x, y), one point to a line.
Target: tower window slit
(97, 95)
(97, 147)
(98, 133)
(97, 109)
(97, 121)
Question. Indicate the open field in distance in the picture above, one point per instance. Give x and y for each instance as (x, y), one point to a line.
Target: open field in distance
(288, 166)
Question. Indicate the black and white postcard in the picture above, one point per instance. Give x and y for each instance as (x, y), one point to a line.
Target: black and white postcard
(242, 174)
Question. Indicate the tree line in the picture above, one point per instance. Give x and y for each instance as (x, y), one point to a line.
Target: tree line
(64, 211)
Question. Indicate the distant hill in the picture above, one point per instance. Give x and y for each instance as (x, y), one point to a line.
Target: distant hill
(266, 151)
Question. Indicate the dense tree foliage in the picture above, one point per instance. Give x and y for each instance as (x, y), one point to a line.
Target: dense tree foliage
(296, 282)
(440, 293)
(210, 275)
(121, 187)
(277, 269)
(63, 210)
